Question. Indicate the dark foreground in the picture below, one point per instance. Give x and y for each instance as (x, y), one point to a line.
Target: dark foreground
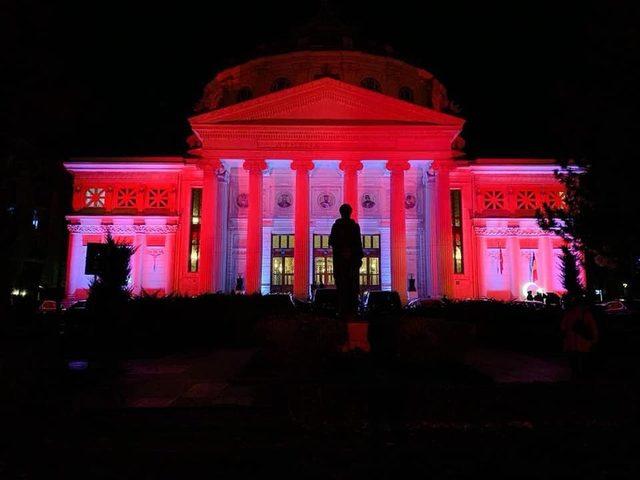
(287, 401)
(348, 419)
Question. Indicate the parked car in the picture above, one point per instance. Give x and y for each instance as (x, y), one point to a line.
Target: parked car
(325, 301)
(48, 306)
(379, 302)
(620, 307)
(80, 305)
(276, 303)
(428, 307)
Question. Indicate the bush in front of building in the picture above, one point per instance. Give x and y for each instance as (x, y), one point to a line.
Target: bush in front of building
(524, 326)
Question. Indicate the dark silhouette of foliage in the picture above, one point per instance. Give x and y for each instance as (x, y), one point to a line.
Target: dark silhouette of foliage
(110, 287)
(571, 273)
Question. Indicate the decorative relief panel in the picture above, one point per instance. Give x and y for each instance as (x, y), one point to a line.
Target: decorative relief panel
(410, 201)
(126, 197)
(372, 201)
(123, 196)
(242, 200)
(284, 200)
(368, 201)
(493, 200)
(510, 232)
(526, 200)
(122, 229)
(95, 197)
(158, 198)
(324, 201)
(556, 199)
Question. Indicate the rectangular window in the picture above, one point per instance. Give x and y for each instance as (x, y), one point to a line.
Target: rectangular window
(456, 230)
(282, 262)
(194, 229)
(322, 261)
(370, 268)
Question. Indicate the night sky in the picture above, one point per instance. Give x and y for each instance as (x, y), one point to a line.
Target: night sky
(99, 78)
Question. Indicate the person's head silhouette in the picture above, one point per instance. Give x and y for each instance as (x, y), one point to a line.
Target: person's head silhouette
(345, 210)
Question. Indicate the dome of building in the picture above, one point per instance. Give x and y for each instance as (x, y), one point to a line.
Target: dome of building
(324, 47)
(271, 73)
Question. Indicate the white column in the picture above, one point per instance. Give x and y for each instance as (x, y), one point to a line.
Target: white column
(169, 246)
(398, 228)
(545, 265)
(430, 220)
(481, 259)
(513, 244)
(220, 244)
(443, 237)
(75, 264)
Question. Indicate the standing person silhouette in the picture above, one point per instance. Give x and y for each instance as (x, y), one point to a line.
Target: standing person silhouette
(346, 243)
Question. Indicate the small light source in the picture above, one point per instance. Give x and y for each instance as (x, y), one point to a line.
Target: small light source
(35, 220)
(533, 287)
(15, 292)
(77, 365)
(625, 285)
(23, 293)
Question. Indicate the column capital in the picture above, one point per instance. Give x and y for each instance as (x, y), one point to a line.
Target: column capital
(223, 174)
(302, 164)
(253, 165)
(398, 165)
(210, 164)
(443, 165)
(350, 164)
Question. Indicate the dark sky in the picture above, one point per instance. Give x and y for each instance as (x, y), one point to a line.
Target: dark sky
(110, 77)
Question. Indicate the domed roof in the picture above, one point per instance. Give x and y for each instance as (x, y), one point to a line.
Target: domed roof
(324, 47)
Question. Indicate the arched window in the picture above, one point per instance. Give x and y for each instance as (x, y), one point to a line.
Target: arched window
(406, 94)
(280, 84)
(370, 83)
(244, 93)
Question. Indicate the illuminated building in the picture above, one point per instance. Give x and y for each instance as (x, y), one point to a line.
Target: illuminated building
(280, 143)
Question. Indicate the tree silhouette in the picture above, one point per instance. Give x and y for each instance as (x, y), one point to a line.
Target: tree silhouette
(110, 288)
(571, 273)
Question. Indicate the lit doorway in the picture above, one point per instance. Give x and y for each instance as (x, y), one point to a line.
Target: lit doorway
(322, 262)
(370, 268)
(282, 263)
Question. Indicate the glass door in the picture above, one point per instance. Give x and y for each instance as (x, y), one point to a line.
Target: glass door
(282, 246)
(322, 262)
(370, 268)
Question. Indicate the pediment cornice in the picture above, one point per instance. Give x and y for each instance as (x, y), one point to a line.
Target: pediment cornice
(324, 101)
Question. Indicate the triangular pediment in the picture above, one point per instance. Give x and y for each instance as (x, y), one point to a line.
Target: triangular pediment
(326, 102)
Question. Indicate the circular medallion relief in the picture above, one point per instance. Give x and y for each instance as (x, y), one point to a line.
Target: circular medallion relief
(284, 200)
(326, 200)
(409, 201)
(368, 200)
(242, 200)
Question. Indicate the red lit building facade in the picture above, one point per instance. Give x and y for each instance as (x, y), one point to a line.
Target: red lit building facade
(280, 143)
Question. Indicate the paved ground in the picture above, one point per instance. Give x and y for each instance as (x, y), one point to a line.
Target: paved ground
(218, 414)
(198, 379)
(513, 367)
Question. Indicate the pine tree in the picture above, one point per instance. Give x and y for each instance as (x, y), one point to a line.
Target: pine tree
(571, 273)
(110, 288)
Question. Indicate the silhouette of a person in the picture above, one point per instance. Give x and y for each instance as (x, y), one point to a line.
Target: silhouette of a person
(347, 257)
